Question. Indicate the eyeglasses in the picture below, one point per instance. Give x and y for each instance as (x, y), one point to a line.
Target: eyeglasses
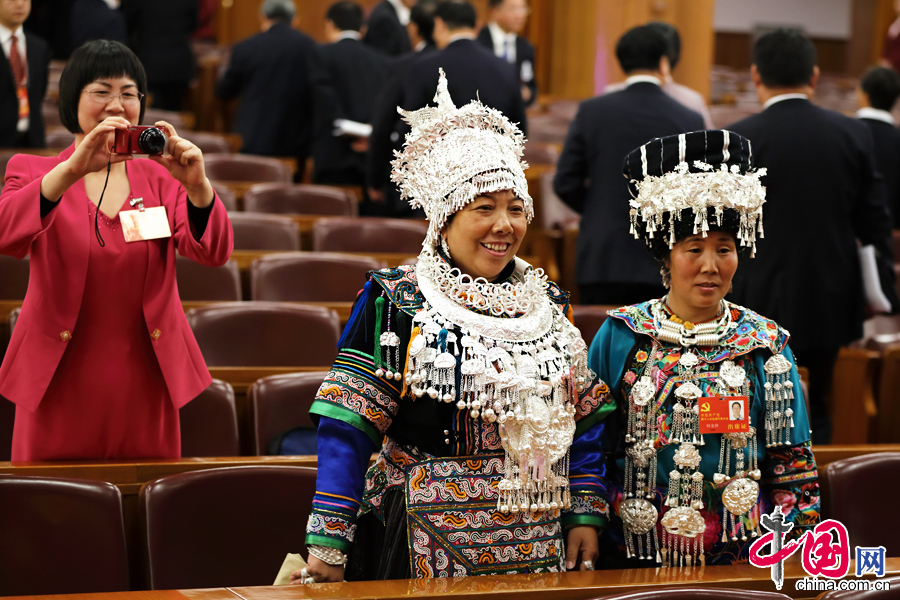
(106, 96)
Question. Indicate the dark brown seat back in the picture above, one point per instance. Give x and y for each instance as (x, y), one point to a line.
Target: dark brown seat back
(892, 592)
(226, 196)
(265, 334)
(209, 425)
(280, 403)
(59, 138)
(255, 231)
(696, 593)
(7, 420)
(173, 118)
(224, 527)
(199, 282)
(61, 536)
(589, 318)
(13, 277)
(369, 234)
(540, 153)
(208, 142)
(856, 489)
(246, 167)
(310, 276)
(300, 199)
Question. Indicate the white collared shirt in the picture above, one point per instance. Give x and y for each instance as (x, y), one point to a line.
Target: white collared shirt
(348, 34)
(402, 11)
(876, 114)
(781, 97)
(642, 79)
(6, 41)
(504, 43)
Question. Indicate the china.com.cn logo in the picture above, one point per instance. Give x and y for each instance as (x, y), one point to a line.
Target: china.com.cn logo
(825, 552)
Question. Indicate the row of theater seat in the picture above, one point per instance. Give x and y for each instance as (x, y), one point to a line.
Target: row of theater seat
(233, 526)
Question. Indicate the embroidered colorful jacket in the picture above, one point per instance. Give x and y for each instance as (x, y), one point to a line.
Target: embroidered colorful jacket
(358, 412)
(620, 353)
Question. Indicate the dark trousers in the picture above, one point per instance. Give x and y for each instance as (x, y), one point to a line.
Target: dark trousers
(619, 294)
(820, 364)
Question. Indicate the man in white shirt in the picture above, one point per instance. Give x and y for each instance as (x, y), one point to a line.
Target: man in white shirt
(501, 36)
(23, 77)
(877, 93)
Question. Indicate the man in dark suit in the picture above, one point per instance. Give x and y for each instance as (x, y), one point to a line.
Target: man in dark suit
(501, 36)
(160, 33)
(274, 72)
(472, 71)
(611, 266)
(97, 20)
(823, 195)
(387, 126)
(354, 75)
(877, 93)
(24, 78)
(386, 27)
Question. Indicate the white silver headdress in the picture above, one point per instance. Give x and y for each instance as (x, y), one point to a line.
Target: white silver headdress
(454, 154)
(704, 176)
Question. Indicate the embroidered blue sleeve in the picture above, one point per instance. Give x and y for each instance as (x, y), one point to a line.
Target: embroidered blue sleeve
(344, 453)
(587, 480)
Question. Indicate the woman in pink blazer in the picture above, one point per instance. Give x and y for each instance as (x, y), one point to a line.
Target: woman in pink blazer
(102, 357)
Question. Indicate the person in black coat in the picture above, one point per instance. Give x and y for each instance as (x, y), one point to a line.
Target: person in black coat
(386, 27)
(473, 72)
(274, 73)
(355, 74)
(387, 126)
(160, 32)
(20, 128)
(611, 266)
(877, 93)
(823, 194)
(501, 36)
(97, 20)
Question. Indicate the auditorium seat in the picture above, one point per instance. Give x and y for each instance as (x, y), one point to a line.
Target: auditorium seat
(246, 167)
(368, 234)
(5, 155)
(540, 153)
(59, 138)
(589, 317)
(61, 536)
(891, 593)
(224, 527)
(209, 424)
(888, 423)
(255, 231)
(176, 119)
(226, 195)
(310, 276)
(300, 199)
(13, 277)
(208, 142)
(858, 489)
(279, 403)
(265, 334)
(199, 282)
(696, 593)
(548, 128)
(50, 112)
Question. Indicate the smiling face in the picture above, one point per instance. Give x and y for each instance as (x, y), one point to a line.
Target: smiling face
(486, 233)
(702, 269)
(14, 12)
(91, 112)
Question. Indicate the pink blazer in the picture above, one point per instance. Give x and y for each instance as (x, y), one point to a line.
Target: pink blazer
(59, 247)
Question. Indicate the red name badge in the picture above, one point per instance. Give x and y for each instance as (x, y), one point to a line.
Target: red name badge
(724, 414)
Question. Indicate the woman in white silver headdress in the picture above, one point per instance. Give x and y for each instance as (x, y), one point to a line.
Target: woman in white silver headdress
(712, 429)
(467, 374)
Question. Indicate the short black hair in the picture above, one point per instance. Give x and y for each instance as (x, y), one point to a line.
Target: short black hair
(673, 40)
(495, 3)
(640, 49)
(739, 405)
(882, 86)
(282, 11)
(346, 16)
(457, 14)
(422, 14)
(97, 59)
(785, 58)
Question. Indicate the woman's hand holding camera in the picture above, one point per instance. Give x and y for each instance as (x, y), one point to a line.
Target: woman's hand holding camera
(185, 163)
(90, 156)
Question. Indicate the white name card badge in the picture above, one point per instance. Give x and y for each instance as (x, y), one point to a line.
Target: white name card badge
(144, 223)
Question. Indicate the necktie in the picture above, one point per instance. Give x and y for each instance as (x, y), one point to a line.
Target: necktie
(15, 61)
(509, 50)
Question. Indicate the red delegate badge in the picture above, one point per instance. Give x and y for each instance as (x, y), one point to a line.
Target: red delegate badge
(724, 414)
